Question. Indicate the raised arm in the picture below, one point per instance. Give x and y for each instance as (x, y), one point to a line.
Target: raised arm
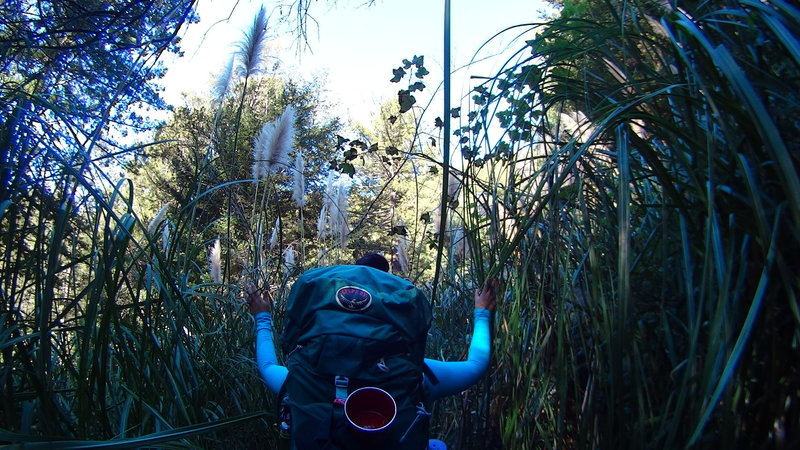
(456, 376)
(261, 306)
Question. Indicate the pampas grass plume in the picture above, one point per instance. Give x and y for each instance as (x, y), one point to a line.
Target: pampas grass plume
(215, 262)
(282, 138)
(273, 239)
(223, 83)
(322, 221)
(153, 226)
(339, 227)
(402, 250)
(289, 258)
(165, 237)
(251, 48)
(273, 143)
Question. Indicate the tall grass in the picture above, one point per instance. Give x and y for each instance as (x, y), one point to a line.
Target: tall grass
(653, 301)
(631, 177)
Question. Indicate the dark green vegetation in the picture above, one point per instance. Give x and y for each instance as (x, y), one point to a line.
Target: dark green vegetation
(631, 175)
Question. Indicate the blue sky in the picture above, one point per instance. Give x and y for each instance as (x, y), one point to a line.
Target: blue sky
(354, 47)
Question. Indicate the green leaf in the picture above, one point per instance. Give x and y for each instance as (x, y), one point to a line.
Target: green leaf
(421, 72)
(399, 230)
(418, 86)
(438, 122)
(351, 154)
(455, 113)
(418, 61)
(398, 73)
(347, 168)
(405, 99)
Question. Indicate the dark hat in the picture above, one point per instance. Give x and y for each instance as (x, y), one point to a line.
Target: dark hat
(374, 260)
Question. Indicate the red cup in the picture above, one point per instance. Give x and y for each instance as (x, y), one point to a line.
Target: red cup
(370, 409)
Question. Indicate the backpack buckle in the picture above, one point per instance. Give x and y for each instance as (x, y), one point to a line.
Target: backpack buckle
(341, 389)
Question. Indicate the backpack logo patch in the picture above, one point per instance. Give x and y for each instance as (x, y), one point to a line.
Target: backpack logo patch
(352, 298)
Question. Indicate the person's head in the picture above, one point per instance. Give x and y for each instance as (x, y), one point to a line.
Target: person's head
(374, 260)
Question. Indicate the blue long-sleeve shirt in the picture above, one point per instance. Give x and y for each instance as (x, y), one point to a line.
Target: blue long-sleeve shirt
(453, 376)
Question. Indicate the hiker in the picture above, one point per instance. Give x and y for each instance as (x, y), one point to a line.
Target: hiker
(440, 378)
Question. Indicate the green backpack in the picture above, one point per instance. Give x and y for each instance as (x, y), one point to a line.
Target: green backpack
(348, 327)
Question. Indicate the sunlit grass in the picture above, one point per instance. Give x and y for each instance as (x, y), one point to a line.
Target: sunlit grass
(638, 197)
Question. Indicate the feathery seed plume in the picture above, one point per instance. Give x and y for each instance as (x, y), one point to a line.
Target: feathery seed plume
(165, 237)
(322, 221)
(402, 250)
(282, 139)
(260, 145)
(215, 262)
(289, 259)
(460, 245)
(223, 82)
(338, 219)
(251, 48)
(273, 143)
(273, 239)
(153, 226)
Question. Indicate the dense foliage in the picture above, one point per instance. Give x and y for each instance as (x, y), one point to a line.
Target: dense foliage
(631, 175)
(646, 180)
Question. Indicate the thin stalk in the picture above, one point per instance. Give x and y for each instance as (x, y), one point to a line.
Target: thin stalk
(445, 152)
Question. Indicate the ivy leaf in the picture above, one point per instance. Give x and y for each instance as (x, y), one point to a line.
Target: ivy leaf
(392, 119)
(418, 61)
(347, 168)
(399, 230)
(351, 154)
(432, 243)
(340, 141)
(407, 63)
(504, 150)
(421, 72)
(434, 170)
(438, 122)
(468, 153)
(372, 148)
(398, 73)
(406, 100)
(392, 150)
(433, 142)
(426, 216)
(418, 86)
(455, 113)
